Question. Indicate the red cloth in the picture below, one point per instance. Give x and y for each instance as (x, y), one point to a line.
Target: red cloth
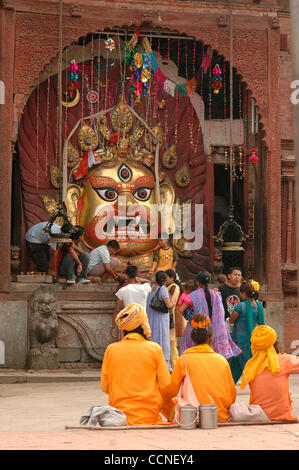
(58, 259)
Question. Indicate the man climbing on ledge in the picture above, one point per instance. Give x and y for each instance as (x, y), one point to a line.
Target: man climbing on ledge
(40, 250)
(102, 262)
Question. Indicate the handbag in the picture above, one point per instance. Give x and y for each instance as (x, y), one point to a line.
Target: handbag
(186, 395)
(157, 304)
(171, 319)
(251, 413)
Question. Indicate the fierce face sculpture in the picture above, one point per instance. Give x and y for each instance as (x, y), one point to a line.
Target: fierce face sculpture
(117, 201)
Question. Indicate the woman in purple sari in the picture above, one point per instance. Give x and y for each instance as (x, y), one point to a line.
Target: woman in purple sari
(209, 302)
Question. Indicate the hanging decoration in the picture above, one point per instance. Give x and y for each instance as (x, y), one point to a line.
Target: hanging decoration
(245, 118)
(76, 98)
(131, 48)
(109, 44)
(73, 75)
(92, 96)
(253, 157)
(217, 79)
(141, 75)
(72, 94)
(210, 115)
(177, 89)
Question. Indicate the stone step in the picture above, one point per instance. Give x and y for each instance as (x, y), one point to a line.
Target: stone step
(12, 376)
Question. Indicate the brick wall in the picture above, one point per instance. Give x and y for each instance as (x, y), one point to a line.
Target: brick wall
(291, 327)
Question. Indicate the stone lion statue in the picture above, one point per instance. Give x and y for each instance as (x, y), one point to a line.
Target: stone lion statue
(43, 328)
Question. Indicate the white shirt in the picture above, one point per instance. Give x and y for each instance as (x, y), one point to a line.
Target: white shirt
(134, 293)
(98, 255)
(36, 234)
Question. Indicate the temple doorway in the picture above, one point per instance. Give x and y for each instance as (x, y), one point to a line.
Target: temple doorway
(231, 254)
(186, 102)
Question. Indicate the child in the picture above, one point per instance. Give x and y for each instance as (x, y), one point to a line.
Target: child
(165, 257)
(122, 282)
(180, 320)
(190, 286)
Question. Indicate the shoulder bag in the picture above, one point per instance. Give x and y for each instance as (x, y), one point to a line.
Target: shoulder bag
(157, 304)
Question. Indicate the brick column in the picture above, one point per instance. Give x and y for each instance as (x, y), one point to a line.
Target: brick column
(7, 43)
(273, 167)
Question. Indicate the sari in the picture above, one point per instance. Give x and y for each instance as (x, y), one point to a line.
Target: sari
(222, 341)
(249, 317)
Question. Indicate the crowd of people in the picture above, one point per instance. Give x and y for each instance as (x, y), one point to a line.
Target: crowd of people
(167, 329)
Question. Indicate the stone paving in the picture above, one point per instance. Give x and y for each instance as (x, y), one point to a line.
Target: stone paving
(33, 415)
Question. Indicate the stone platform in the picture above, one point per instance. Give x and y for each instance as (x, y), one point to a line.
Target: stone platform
(12, 376)
(84, 313)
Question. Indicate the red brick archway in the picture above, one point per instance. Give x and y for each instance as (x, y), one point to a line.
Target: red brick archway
(256, 58)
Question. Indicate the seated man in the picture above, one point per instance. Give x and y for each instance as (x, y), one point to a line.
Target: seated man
(267, 374)
(134, 372)
(101, 264)
(135, 291)
(40, 250)
(209, 371)
(74, 261)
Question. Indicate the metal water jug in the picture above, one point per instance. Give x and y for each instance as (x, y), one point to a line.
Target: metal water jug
(188, 417)
(208, 415)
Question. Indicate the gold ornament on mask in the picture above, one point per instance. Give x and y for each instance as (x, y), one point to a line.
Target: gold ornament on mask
(150, 140)
(73, 156)
(179, 246)
(55, 177)
(121, 117)
(182, 176)
(109, 155)
(103, 127)
(87, 138)
(73, 195)
(170, 159)
(137, 155)
(138, 132)
(123, 148)
(51, 206)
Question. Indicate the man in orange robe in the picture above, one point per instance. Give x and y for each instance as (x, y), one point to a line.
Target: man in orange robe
(209, 372)
(267, 374)
(134, 372)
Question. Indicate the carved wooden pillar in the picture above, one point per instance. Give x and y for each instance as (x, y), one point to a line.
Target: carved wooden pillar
(273, 167)
(7, 42)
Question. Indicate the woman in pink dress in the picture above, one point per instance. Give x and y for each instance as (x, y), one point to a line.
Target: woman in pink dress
(209, 302)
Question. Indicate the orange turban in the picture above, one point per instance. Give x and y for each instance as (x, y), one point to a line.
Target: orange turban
(263, 354)
(131, 317)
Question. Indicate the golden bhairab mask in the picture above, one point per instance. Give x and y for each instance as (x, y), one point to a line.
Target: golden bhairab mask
(114, 202)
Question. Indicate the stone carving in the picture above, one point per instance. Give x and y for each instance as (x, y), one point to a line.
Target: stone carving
(15, 261)
(275, 23)
(218, 264)
(88, 337)
(76, 10)
(222, 21)
(43, 328)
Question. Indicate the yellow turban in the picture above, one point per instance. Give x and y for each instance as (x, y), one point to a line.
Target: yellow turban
(263, 354)
(255, 284)
(131, 317)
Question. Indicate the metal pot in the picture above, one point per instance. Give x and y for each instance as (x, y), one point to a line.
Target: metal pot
(208, 415)
(188, 417)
